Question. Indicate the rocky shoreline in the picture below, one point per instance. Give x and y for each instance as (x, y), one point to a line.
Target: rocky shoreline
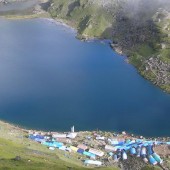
(160, 71)
(99, 140)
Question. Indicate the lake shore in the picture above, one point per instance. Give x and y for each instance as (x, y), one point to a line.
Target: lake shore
(95, 139)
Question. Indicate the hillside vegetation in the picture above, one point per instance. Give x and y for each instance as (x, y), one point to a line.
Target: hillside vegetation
(90, 18)
(17, 152)
(140, 29)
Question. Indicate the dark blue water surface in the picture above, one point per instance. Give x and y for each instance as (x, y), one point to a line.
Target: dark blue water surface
(50, 80)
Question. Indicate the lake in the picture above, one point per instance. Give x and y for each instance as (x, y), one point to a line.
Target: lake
(51, 81)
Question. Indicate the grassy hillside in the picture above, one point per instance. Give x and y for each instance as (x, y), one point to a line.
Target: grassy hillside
(89, 17)
(18, 152)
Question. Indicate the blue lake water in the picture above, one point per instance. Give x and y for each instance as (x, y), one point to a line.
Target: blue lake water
(50, 80)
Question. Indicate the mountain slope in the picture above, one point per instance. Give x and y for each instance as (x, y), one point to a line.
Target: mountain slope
(17, 152)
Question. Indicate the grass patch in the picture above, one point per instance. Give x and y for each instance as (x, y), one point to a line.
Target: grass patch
(34, 156)
(90, 19)
(145, 50)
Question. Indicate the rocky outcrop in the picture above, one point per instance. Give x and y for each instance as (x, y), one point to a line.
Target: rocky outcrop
(159, 69)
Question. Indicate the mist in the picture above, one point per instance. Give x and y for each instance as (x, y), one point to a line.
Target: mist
(144, 9)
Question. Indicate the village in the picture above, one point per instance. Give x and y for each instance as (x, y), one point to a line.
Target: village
(98, 148)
